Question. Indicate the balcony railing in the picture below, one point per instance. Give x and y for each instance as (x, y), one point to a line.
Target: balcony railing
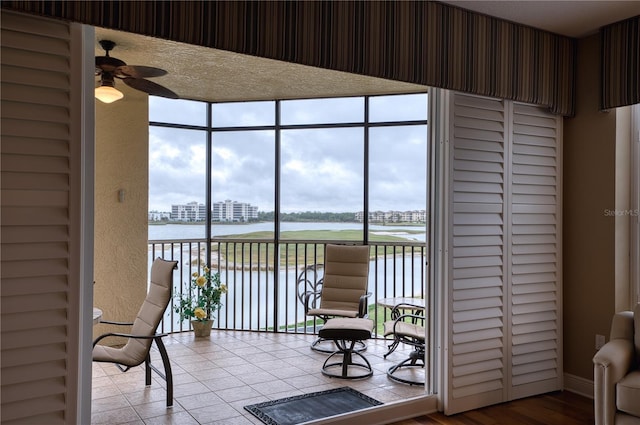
(264, 279)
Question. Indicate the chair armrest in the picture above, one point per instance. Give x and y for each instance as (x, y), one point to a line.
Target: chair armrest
(154, 336)
(611, 363)
(622, 326)
(307, 296)
(109, 322)
(362, 305)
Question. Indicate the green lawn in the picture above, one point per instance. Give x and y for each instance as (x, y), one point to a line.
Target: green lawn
(237, 252)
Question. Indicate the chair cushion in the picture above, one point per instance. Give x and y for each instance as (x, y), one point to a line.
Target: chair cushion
(332, 312)
(347, 328)
(410, 330)
(628, 393)
(103, 353)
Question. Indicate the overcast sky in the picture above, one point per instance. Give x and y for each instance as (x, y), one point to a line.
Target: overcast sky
(321, 169)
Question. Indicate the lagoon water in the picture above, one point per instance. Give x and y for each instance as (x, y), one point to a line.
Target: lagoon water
(196, 231)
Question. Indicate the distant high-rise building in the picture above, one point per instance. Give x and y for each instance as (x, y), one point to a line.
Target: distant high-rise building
(416, 216)
(233, 211)
(192, 211)
(159, 216)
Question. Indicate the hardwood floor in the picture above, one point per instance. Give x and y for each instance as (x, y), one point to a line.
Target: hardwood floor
(558, 408)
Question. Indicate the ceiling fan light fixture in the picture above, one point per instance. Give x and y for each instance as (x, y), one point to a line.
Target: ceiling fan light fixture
(106, 92)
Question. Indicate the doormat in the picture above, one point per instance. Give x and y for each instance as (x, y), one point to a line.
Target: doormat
(312, 406)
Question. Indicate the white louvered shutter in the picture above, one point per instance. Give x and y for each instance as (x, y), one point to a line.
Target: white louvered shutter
(503, 325)
(39, 235)
(536, 331)
(477, 354)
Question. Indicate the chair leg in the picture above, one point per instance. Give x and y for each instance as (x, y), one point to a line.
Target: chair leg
(147, 370)
(393, 346)
(415, 359)
(167, 376)
(346, 349)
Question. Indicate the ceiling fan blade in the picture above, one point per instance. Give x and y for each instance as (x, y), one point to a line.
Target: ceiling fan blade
(149, 87)
(137, 71)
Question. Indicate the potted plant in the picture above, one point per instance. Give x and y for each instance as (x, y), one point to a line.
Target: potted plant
(202, 301)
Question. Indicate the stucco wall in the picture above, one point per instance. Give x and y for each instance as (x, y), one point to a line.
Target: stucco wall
(589, 173)
(120, 269)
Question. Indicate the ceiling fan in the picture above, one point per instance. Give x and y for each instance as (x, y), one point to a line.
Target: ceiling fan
(108, 68)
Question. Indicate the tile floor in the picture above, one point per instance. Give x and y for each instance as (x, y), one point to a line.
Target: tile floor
(215, 378)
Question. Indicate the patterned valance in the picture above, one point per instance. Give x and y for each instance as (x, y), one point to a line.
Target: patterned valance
(620, 63)
(427, 43)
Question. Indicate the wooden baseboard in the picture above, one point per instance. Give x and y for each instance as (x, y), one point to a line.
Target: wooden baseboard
(578, 385)
(387, 413)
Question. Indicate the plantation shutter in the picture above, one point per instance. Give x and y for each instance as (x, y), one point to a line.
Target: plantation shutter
(40, 223)
(536, 331)
(503, 325)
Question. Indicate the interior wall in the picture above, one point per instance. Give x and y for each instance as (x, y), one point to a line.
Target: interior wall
(588, 231)
(120, 261)
(622, 213)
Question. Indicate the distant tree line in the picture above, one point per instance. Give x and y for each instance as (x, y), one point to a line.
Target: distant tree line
(310, 216)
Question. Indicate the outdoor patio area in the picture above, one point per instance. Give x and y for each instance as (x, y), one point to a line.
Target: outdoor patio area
(214, 378)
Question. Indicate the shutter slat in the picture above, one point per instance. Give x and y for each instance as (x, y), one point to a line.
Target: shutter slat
(35, 164)
(32, 59)
(34, 234)
(32, 181)
(34, 95)
(24, 216)
(27, 146)
(34, 197)
(32, 285)
(35, 129)
(43, 410)
(22, 110)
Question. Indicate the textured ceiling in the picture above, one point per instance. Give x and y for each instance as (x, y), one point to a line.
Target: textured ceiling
(201, 73)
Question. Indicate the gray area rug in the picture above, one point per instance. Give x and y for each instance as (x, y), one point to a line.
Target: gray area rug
(312, 406)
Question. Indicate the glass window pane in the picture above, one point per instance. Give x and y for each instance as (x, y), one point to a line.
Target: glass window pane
(243, 114)
(405, 107)
(177, 111)
(322, 111)
(177, 165)
(322, 184)
(243, 183)
(398, 182)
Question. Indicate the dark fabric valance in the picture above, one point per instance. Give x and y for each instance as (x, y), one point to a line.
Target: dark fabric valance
(620, 63)
(427, 43)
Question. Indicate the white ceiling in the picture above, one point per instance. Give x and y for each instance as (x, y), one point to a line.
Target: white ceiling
(201, 73)
(573, 18)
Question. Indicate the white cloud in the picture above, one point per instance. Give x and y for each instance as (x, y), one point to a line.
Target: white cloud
(321, 169)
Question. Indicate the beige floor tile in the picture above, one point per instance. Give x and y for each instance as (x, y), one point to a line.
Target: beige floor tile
(214, 379)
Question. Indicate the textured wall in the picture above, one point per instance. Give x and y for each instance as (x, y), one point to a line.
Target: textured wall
(588, 233)
(122, 146)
